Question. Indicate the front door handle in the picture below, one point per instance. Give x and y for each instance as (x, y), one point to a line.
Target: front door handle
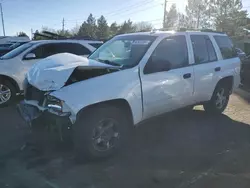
(187, 75)
(217, 69)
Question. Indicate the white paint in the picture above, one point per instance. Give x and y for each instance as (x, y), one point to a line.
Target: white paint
(17, 67)
(162, 91)
(123, 84)
(52, 72)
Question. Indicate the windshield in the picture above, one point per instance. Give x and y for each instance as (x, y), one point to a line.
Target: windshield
(125, 51)
(5, 45)
(17, 51)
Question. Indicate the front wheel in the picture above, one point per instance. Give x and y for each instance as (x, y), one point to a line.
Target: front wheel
(99, 132)
(219, 100)
(7, 93)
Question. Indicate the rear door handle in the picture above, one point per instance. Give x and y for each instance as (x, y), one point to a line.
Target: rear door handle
(217, 69)
(187, 75)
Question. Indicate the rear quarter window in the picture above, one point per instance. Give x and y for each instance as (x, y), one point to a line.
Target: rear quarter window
(226, 47)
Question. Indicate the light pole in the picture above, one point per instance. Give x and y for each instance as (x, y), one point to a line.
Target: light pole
(164, 14)
(2, 18)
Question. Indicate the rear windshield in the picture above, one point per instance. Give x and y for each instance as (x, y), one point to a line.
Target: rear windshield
(96, 45)
(17, 51)
(226, 47)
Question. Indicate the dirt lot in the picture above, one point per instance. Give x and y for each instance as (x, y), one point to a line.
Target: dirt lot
(177, 150)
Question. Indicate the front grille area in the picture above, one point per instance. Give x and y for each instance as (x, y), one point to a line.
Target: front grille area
(32, 93)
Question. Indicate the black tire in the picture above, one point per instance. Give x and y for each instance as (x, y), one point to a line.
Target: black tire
(13, 91)
(212, 105)
(87, 123)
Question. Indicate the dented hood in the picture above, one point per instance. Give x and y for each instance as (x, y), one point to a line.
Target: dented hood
(53, 72)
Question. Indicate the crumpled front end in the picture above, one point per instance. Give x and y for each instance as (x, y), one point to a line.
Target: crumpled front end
(51, 75)
(43, 120)
(39, 108)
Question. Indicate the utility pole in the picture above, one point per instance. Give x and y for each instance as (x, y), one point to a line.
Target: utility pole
(63, 24)
(198, 19)
(2, 19)
(31, 34)
(164, 17)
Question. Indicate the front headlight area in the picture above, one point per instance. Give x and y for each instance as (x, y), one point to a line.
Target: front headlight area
(56, 106)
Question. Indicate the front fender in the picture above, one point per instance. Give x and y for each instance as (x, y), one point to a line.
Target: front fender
(12, 70)
(124, 84)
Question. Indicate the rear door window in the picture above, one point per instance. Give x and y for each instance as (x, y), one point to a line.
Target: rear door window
(46, 50)
(74, 48)
(226, 47)
(203, 49)
(211, 51)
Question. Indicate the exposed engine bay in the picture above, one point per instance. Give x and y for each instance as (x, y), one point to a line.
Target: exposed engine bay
(81, 73)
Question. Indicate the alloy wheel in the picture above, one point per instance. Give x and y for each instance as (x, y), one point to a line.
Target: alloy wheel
(105, 135)
(221, 98)
(5, 93)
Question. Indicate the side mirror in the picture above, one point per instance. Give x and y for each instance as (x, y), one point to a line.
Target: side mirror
(156, 64)
(30, 56)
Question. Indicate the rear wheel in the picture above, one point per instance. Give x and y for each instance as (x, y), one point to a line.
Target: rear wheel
(100, 132)
(219, 100)
(7, 93)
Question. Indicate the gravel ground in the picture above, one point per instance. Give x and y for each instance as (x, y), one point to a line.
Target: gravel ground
(178, 150)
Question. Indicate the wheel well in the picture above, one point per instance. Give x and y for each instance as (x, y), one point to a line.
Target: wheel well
(121, 103)
(11, 80)
(228, 81)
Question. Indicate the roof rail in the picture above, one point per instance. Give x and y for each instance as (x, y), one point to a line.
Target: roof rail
(81, 38)
(212, 31)
(186, 29)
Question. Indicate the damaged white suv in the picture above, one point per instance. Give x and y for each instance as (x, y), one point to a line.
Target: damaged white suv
(129, 79)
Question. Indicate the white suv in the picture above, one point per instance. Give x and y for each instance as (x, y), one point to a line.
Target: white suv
(127, 80)
(15, 64)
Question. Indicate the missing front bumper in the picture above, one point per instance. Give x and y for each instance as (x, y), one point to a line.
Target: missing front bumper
(49, 121)
(28, 112)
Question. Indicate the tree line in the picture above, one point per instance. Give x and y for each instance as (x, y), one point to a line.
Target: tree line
(99, 28)
(221, 15)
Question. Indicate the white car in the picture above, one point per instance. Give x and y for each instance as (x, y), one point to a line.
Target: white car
(127, 80)
(15, 64)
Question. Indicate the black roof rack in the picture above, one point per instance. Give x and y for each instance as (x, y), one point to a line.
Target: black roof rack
(47, 35)
(42, 35)
(186, 29)
(53, 36)
(212, 31)
(81, 38)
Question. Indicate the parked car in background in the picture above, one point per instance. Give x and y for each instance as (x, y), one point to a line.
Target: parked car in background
(129, 79)
(13, 39)
(15, 64)
(241, 54)
(245, 72)
(5, 48)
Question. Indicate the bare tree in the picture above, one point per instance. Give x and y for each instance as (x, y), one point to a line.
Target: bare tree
(143, 26)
